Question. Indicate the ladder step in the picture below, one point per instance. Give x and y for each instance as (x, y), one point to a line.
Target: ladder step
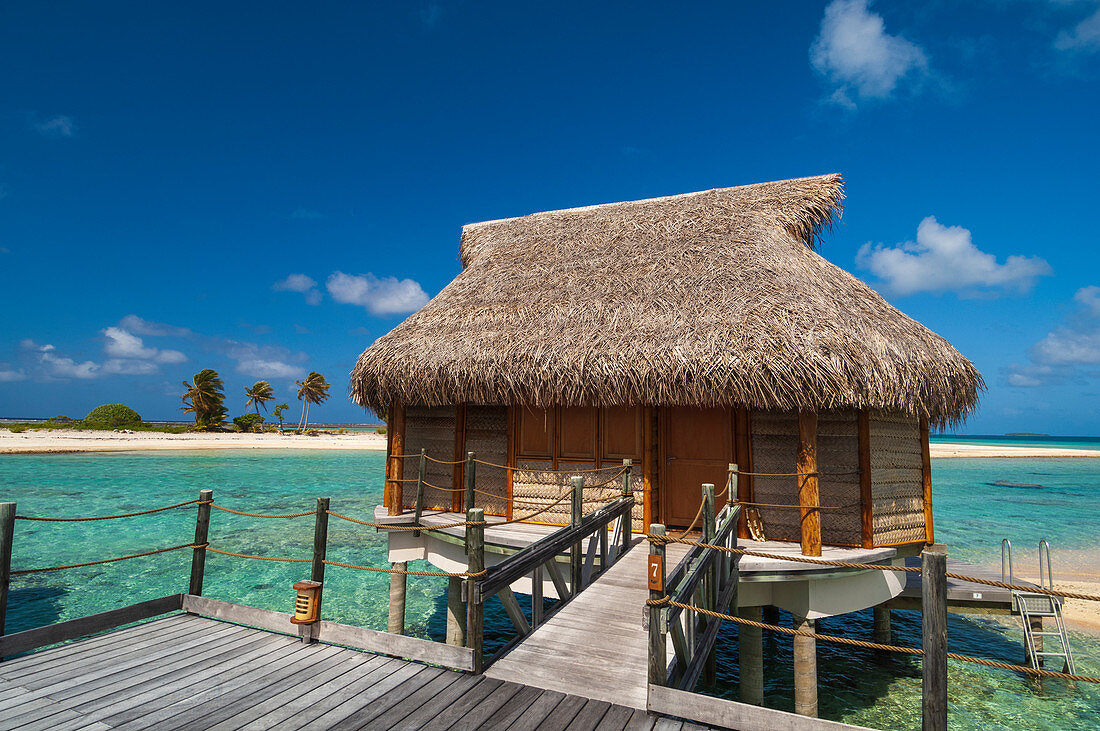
(1051, 654)
(1046, 634)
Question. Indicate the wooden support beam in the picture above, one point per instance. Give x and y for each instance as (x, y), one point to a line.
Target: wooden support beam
(750, 642)
(933, 578)
(881, 631)
(456, 613)
(202, 530)
(576, 576)
(805, 669)
(926, 475)
(469, 474)
(398, 587)
(808, 493)
(658, 659)
(512, 609)
(866, 495)
(710, 581)
(395, 466)
(475, 562)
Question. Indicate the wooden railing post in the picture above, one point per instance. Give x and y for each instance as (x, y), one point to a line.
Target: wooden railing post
(658, 660)
(710, 581)
(7, 535)
(469, 477)
(420, 490)
(628, 519)
(320, 540)
(933, 579)
(202, 533)
(475, 562)
(576, 510)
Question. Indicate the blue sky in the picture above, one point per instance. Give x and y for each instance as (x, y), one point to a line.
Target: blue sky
(265, 188)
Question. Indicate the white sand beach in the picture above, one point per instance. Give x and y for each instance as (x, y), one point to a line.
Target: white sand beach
(73, 440)
(947, 451)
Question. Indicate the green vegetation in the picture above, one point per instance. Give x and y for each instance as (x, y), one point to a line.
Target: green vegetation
(205, 398)
(313, 390)
(22, 426)
(113, 415)
(258, 395)
(278, 413)
(61, 419)
(249, 423)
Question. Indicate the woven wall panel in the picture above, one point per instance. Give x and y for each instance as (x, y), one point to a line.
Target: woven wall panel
(775, 449)
(433, 429)
(535, 486)
(487, 438)
(897, 484)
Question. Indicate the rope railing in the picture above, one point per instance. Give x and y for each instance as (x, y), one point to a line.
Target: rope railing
(289, 559)
(259, 515)
(103, 560)
(666, 601)
(106, 517)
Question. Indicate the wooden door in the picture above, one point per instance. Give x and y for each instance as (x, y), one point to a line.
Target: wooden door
(696, 446)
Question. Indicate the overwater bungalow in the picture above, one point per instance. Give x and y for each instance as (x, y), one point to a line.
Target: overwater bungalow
(700, 336)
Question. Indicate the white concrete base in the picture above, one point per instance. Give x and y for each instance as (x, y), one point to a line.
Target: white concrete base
(825, 596)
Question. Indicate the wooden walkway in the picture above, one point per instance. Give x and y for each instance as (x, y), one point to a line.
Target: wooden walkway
(189, 672)
(595, 645)
(962, 596)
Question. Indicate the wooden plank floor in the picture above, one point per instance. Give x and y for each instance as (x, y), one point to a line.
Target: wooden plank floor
(962, 596)
(595, 645)
(188, 672)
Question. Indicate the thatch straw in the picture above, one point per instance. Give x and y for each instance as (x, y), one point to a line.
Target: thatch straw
(711, 298)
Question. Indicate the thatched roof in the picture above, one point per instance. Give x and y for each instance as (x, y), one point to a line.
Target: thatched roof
(707, 298)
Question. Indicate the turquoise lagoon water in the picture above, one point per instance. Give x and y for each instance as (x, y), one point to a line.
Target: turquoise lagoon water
(978, 501)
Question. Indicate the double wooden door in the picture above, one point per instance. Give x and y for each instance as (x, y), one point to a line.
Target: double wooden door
(696, 446)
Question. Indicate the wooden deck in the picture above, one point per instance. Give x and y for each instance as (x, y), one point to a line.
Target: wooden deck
(189, 672)
(962, 596)
(595, 645)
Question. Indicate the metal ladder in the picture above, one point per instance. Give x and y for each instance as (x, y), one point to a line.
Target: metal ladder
(1031, 604)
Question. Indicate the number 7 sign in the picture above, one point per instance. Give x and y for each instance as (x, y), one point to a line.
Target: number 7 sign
(656, 572)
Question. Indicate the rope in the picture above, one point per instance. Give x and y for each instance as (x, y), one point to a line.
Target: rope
(390, 526)
(1029, 589)
(666, 601)
(556, 472)
(798, 507)
(261, 515)
(107, 517)
(799, 474)
(693, 521)
(466, 574)
(258, 558)
(103, 560)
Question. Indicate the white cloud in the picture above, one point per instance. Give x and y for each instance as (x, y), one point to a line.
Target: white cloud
(59, 366)
(11, 376)
(1067, 349)
(58, 126)
(1085, 36)
(124, 367)
(269, 369)
(300, 283)
(385, 296)
(854, 51)
(122, 344)
(138, 326)
(944, 258)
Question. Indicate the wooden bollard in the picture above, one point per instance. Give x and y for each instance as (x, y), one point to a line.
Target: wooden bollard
(933, 579)
(202, 534)
(475, 562)
(658, 660)
(575, 513)
(880, 633)
(7, 536)
(805, 669)
(320, 540)
(710, 581)
(469, 475)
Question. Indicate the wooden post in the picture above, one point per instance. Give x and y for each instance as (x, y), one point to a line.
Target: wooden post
(628, 519)
(658, 661)
(395, 470)
(750, 642)
(866, 493)
(808, 496)
(399, 584)
(881, 631)
(710, 581)
(933, 579)
(805, 669)
(420, 490)
(469, 477)
(536, 597)
(7, 535)
(926, 474)
(456, 613)
(575, 513)
(475, 561)
(320, 540)
(202, 531)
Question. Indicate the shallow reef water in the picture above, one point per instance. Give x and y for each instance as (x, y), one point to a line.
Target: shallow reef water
(978, 502)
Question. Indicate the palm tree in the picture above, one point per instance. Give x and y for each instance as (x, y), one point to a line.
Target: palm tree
(205, 399)
(258, 395)
(313, 390)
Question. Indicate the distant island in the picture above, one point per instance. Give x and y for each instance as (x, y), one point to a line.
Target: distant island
(1025, 434)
